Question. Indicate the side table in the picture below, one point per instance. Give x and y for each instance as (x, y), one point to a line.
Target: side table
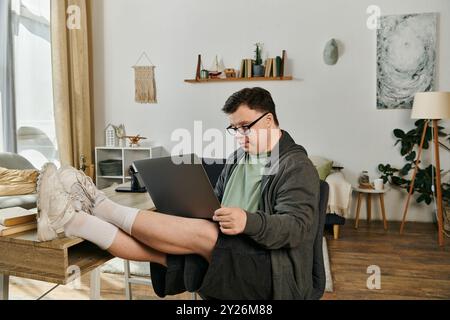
(369, 193)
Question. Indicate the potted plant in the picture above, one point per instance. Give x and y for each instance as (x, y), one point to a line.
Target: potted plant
(258, 68)
(426, 176)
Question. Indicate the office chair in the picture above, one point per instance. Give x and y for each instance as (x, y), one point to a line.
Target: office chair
(319, 276)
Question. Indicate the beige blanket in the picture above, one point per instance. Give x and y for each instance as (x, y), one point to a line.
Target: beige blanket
(340, 194)
(17, 182)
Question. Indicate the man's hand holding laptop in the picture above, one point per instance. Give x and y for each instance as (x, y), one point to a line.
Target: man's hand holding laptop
(232, 221)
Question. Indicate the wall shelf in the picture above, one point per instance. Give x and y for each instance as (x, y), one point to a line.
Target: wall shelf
(194, 81)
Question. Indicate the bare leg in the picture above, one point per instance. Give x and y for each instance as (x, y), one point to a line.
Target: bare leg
(127, 248)
(176, 235)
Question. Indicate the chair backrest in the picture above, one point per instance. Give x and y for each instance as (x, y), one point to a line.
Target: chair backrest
(213, 168)
(319, 277)
(14, 161)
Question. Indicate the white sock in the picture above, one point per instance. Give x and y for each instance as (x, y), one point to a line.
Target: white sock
(120, 216)
(91, 229)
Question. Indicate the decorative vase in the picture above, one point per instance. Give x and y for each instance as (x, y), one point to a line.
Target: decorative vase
(364, 180)
(258, 70)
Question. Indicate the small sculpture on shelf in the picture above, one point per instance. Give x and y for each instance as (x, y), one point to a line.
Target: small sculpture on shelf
(120, 133)
(217, 68)
(230, 73)
(110, 136)
(135, 140)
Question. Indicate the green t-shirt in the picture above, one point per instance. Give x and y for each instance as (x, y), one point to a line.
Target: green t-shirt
(243, 189)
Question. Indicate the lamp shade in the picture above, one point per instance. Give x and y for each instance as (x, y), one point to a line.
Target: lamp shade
(431, 105)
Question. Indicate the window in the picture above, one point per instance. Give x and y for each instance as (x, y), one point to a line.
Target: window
(36, 136)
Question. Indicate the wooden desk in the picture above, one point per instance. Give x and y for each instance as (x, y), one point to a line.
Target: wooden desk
(55, 261)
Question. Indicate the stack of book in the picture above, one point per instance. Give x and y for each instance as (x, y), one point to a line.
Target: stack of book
(274, 67)
(247, 68)
(17, 220)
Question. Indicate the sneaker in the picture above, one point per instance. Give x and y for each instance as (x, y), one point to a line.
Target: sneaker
(54, 205)
(84, 193)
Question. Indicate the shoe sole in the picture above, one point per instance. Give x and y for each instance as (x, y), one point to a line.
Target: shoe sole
(45, 231)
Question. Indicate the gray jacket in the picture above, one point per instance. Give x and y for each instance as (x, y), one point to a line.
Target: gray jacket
(288, 216)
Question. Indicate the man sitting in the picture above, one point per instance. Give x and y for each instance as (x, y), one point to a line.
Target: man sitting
(259, 244)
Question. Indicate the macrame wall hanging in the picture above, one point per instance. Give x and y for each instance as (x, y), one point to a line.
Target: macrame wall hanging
(145, 81)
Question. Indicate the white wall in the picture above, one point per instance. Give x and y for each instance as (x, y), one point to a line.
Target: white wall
(331, 111)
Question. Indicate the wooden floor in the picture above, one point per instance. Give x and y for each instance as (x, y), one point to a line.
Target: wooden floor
(412, 267)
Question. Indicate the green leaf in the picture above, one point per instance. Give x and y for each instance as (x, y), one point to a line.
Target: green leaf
(420, 123)
(404, 171)
(396, 181)
(404, 150)
(421, 198)
(399, 133)
(411, 156)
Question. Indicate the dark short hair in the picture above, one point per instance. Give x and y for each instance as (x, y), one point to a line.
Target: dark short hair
(257, 99)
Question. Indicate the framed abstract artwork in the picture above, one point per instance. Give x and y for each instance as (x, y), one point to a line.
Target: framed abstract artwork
(406, 58)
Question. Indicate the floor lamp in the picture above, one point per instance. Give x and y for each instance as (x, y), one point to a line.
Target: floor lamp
(429, 106)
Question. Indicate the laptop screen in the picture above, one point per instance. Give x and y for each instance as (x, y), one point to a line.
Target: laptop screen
(213, 168)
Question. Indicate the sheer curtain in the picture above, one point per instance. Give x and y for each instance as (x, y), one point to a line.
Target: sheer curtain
(35, 120)
(7, 103)
(45, 81)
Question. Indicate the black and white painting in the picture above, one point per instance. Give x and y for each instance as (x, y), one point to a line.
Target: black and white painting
(406, 58)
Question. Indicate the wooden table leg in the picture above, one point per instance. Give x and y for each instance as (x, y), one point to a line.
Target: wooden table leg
(369, 207)
(383, 211)
(4, 287)
(336, 229)
(358, 209)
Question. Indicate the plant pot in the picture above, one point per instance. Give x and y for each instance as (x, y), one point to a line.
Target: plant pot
(258, 70)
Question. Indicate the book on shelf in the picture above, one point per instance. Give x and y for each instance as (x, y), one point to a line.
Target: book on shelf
(274, 67)
(8, 231)
(249, 68)
(243, 69)
(278, 63)
(268, 67)
(283, 63)
(11, 217)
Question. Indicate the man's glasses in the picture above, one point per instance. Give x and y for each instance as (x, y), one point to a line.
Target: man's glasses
(245, 130)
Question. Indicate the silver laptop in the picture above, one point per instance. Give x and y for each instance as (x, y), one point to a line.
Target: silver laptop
(180, 188)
